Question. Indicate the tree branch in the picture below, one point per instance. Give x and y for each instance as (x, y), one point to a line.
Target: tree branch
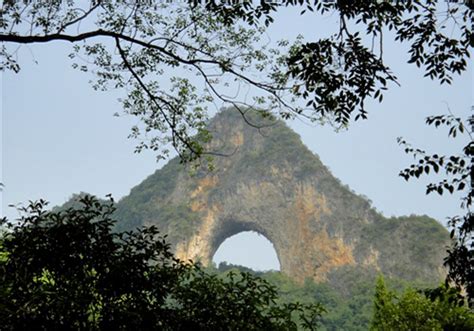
(12, 38)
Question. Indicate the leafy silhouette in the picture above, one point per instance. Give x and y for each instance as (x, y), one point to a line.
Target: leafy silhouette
(68, 270)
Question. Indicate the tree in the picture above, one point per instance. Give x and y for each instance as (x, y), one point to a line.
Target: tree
(133, 45)
(138, 45)
(439, 309)
(68, 270)
(459, 170)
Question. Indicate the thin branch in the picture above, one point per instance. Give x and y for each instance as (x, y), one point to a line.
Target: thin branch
(381, 45)
(221, 97)
(80, 18)
(154, 98)
(115, 35)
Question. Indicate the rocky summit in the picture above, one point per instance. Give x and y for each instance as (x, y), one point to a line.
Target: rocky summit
(271, 183)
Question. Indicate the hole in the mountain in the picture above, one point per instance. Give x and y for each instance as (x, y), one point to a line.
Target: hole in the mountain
(249, 249)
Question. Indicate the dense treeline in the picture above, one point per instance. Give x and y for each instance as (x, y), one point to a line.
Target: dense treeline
(371, 302)
(67, 269)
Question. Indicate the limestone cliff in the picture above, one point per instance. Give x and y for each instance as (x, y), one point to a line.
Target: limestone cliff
(272, 184)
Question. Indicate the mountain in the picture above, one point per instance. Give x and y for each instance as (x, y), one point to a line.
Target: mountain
(271, 183)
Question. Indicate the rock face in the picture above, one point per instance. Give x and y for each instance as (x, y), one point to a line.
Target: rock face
(272, 184)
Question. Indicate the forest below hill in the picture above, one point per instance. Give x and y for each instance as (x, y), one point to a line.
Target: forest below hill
(351, 307)
(68, 268)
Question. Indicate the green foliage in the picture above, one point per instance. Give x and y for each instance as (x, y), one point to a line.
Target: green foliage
(67, 269)
(400, 237)
(74, 202)
(276, 136)
(234, 297)
(357, 305)
(459, 177)
(141, 45)
(177, 220)
(337, 73)
(145, 203)
(72, 256)
(220, 43)
(439, 309)
(344, 311)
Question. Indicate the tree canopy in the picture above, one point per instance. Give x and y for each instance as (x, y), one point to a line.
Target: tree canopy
(137, 45)
(68, 270)
(458, 172)
(434, 309)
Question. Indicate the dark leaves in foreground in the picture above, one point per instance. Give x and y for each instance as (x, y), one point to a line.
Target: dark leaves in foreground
(69, 270)
(459, 172)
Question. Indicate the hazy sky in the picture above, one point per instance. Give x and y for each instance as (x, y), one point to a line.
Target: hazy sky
(60, 137)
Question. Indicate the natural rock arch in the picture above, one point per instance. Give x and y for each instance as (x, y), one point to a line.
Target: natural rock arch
(294, 220)
(274, 185)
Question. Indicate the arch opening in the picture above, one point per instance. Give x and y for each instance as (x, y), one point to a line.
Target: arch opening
(249, 249)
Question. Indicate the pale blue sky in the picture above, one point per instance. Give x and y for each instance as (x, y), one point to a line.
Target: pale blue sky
(60, 137)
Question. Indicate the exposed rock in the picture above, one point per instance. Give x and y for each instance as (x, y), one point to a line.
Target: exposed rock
(272, 184)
